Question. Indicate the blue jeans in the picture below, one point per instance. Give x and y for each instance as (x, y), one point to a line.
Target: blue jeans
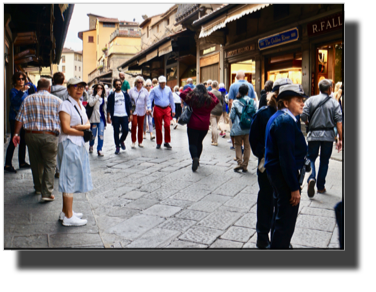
(97, 127)
(325, 153)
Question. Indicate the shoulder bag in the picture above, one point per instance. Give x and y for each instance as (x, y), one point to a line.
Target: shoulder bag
(314, 111)
(185, 116)
(88, 135)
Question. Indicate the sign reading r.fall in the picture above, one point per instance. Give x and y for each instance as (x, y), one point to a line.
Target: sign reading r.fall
(278, 39)
(330, 23)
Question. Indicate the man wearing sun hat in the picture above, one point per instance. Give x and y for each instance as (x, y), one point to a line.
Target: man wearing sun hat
(163, 105)
(285, 151)
(323, 114)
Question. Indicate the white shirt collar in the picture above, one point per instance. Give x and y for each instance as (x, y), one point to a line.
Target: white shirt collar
(286, 110)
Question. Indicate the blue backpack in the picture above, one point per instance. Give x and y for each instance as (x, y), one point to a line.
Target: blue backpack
(247, 114)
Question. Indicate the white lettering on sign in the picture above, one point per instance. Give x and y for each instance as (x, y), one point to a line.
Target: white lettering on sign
(339, 21)
(322, 25)
(314, 27)
(328, 25)
(212, 49)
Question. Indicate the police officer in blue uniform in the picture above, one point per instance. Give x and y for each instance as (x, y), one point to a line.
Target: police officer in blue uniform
(265, 201)
(285, 152)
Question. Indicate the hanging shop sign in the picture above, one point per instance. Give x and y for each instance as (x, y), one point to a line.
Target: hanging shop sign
(241, 50)
(324, 25)
(278, 39)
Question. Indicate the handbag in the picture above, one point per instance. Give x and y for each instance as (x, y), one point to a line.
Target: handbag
(185, 116)
(88, 135)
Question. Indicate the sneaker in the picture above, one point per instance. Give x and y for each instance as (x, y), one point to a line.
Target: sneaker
(167, 145)
(133, 145)
(78, 215)
(144, 135)
(214, 144)
(311, 188)
(74, 221)
(117, 150)
(176, 126)
(122, 145)
(232, 147)
(158, 146)
(91, 149)
(224, 135)
(323, 191)
(195, 164)
(238, 168)
(140, 145)
(229, 141)
(25, 165)
(152, 137)
(100, 153)
(10, 169)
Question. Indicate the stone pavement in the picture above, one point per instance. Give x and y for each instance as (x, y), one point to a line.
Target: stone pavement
(148, 198)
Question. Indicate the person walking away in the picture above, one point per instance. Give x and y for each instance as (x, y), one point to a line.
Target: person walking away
(285, 151)
(265, 201)
(74, 165)
(163, 105)
(216, 113)
(155, 83)
(322, 113)
(139, 95)
(98, 117)
(124, 83)
(178, 108)
(118, 111)
(189, 84)
(17, 95)
(148, 121)
(39, 115)
(224, 92)
(233, 92)
(58, 89)
(267, 88)
(240, 132)
(202, 103)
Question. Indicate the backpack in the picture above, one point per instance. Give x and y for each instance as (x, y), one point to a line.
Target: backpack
(247, 114)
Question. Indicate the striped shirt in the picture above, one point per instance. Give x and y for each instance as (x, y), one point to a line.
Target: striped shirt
(40, 112)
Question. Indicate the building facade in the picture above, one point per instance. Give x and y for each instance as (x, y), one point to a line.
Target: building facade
(71, 64)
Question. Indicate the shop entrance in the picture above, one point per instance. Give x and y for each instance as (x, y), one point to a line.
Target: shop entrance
(285, 66)
(248, 66)
(329, 64)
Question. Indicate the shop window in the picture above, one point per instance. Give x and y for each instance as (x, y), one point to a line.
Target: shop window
(171, 73)
(249, 68)
(75, 68)
(241, 25)
(173, 58)
(285, 66)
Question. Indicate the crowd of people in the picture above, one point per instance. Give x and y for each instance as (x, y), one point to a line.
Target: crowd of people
(55, 122)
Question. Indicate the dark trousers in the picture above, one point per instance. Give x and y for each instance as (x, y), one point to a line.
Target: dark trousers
(21, 147)
(265, 207)
(116, 122)
(339, 218)
(326, 149)
(195, 138)
(285, 216)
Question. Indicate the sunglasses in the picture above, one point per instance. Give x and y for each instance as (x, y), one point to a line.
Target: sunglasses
(21, 79)
(148, 85)
(78, 86)
(140, 82)
(99, 88)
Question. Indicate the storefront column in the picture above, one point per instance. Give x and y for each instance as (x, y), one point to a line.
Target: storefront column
(258, 73)
(221, 64)
(198, 81)
(306, 75)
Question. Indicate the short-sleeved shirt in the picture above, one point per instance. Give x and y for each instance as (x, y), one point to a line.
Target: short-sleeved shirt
(40, 112)
(119, 108)
(75, 119)
(125, 86)
(234, 89)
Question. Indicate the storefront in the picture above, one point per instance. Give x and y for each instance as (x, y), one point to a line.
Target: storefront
(326, 38)
(209, 63)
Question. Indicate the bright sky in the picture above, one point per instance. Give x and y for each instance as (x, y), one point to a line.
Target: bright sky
(80, 20)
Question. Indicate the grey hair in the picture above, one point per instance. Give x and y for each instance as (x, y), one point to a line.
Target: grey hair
(139, 78)
(189, 80)
(324, 85)
(221, 85)
(148, 81)
(209, 81)
(239, 74)
(176, 88)
(215, 84)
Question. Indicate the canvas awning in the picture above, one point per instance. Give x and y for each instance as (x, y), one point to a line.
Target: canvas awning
(165, 49)
(151, 55)
(216, 24)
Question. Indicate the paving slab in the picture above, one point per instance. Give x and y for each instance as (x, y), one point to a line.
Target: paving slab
(241, 234)
(221, 243)
(200, 234)
(154, 238)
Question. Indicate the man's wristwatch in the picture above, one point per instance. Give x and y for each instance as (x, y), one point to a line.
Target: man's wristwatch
(16, 135)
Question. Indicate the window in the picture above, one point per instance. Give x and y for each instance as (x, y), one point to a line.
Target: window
(75, 68)
(168, 21)
(63, 59)
(63, 69)
(108, 24)
(79, 69)
(91, 39)
(147, 32)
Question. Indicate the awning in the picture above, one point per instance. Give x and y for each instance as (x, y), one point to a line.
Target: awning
(151, 55)
(141, 61)
(165, 49)
(211, 27)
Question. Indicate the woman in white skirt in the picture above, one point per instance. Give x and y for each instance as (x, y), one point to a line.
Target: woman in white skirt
(73, 158)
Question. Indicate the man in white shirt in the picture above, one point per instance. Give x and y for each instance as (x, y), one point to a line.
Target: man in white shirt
(119, 110)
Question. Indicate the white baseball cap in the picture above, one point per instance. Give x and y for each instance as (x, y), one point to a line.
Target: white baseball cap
(161, 79)
(74, 81)
(280, 82)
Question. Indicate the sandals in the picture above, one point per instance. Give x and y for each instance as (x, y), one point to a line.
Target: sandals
(10, 169)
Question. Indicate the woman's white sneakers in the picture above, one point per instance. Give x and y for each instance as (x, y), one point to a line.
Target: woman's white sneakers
(62, 215)
(74, 221)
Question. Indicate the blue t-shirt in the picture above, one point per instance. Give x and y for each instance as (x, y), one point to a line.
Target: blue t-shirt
(234, 89)
(188, 85)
